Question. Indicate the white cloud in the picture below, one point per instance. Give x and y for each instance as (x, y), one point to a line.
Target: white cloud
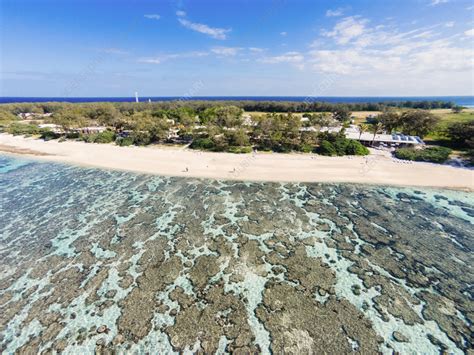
(283, 33)
(336, 12)
(359, 50)
(180, 13)
(424, 34)
(256, 49)
(162, 58)
(354, 61)
(438, 2)
(226, 51)
(421, 62)
(150, 60)
(153, 16)
(470, 33)
(347, 29)
(449, 24)
(214, 32)
(293, 58)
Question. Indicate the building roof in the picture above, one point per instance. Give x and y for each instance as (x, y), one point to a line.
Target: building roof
(385, 138)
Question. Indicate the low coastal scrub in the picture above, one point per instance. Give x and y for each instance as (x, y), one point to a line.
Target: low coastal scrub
(212, 145)
(430, 154)
(203, 144)
(23, 129)
(240, 150)
(50, 135)
(102, 110)
(124, 141)
(102, 137)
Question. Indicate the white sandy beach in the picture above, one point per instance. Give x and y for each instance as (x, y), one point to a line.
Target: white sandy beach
(374, 169)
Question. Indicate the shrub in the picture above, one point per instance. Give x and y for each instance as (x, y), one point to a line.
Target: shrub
(89, 138)
(240, 150)
(49, 135)
(141, 138)
(326, 148)
(430, 154)
(124, 141)
(104, 137)
(306, 148)
(203, 143)
(356, 148)
(339, 145)
(470, 156)
(23, 129)
(72, 135)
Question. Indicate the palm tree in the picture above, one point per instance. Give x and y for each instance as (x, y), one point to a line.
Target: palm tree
(362, 129)
(376, 128)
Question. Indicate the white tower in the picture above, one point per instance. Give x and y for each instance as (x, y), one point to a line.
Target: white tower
(136, 96)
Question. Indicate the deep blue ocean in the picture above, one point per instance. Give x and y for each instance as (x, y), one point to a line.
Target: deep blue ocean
(459, 100)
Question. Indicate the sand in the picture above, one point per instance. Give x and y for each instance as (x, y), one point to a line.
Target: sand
(175, 161)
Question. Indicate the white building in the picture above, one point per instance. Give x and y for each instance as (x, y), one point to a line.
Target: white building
(389, 139)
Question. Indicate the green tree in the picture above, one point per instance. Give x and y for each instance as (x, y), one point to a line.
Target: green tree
(152, 129)
(376, 129)
(362, 129)
(462, 134)
(390, 120)
(278, 132)
(237, 138)
(223, 116)
(342, 114)
(457, 109)
(69, 119)
(326, 148)
(354, 147)
(323, 120)
(105, 114)
(418, 122)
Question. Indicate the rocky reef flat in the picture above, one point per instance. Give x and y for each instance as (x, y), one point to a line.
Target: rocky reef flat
(96, 260)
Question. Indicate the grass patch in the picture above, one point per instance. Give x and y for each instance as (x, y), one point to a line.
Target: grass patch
(438, 135)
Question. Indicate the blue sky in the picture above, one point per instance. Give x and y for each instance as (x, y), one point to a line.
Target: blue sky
(245, 47)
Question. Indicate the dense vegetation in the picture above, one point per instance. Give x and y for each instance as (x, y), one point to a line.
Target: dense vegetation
(461, 135)
(412, 122)
(200, 106)
(215, 128)
(430, 154)
(221, 125)
(338, 144)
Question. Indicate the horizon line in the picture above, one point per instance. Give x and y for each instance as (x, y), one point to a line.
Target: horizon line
(188, 98)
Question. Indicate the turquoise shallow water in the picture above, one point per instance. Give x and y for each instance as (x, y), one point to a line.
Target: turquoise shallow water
(93, 259)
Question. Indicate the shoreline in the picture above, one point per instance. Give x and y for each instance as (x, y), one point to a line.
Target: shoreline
(375, 169)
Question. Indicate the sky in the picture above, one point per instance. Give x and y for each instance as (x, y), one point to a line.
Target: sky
(186, 48)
